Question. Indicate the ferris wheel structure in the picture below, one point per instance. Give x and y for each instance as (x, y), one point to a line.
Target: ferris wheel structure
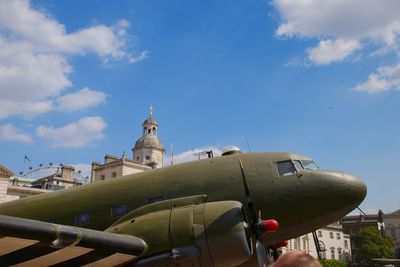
(51, 169)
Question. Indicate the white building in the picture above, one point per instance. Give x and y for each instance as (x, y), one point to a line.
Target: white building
(148, 153)
(334, 244)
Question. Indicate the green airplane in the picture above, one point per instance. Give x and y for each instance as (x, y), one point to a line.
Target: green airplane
(202, 213)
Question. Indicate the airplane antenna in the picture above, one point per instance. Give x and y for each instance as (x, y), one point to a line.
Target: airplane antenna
(172, 154)
(247, 142)
(361, 211)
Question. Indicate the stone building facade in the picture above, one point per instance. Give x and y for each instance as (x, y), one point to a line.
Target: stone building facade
(148, 153)
(115, 167)
(388, 224)
(392, 224)
(333, 242)
(5, 174)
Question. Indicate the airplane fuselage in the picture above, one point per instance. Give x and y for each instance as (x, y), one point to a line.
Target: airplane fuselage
(301, 202)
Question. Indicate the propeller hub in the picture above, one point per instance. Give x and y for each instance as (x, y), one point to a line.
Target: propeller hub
(270, 225)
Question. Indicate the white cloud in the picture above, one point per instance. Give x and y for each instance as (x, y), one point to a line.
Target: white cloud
(28, 81)
(189, 155)
(384, 79)
(345, 19)
(82, 99)
(142, 56)
(9, 133)
(39, 32)
(76, 134)
(342, 27)
(329, 51)
(34, 48)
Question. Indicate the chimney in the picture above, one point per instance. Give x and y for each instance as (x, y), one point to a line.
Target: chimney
(67, 172)
(110, 158)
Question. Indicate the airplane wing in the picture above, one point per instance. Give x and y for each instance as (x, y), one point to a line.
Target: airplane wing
(187, 231)
(25, 242)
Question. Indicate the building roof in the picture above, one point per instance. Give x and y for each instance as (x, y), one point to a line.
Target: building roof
(26, 191)
(5, 169)
(150, 121)
(122, 161)
(397, 212)
(22, 179)
(149, 141)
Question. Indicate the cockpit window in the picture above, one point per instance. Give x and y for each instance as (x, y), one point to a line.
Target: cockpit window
(286, 168)
(297, 165)
(309, 165)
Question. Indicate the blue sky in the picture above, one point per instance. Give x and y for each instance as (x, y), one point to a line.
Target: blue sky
(320, 78)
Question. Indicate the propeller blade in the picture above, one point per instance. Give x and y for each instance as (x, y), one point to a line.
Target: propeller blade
(261, 255)
(257, 226)
(249, 199)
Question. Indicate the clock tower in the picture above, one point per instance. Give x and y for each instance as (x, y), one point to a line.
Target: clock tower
(148, 149)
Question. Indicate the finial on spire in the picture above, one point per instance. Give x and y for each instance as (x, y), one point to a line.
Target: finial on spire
(151, 111)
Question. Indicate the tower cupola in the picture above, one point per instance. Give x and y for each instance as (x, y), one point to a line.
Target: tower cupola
(148, 149)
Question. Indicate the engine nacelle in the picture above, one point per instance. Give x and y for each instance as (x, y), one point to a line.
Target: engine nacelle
(207, 234)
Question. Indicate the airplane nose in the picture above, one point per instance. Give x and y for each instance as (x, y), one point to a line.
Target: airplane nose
(357, 190)
(341, 190)
(333, 190)
(315, 199)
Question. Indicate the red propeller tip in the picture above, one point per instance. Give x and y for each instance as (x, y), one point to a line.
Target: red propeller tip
(270, 226)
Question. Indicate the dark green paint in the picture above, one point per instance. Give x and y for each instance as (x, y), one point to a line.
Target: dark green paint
(301, 203)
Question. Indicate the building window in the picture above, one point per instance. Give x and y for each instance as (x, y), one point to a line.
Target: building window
(295, 243)
(338, 236)
(393, 233)
(319, 233)
(114, 174)
(353, 245)
(332, 253)
(102, 177)
(330, 235)
(346, 244)
(323, 249)
(339, 252)
(147, 157)
(304, 244)
(82, 218)
(119, 211)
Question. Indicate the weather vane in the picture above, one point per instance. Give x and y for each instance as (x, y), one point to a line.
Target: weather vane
(151, 111)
